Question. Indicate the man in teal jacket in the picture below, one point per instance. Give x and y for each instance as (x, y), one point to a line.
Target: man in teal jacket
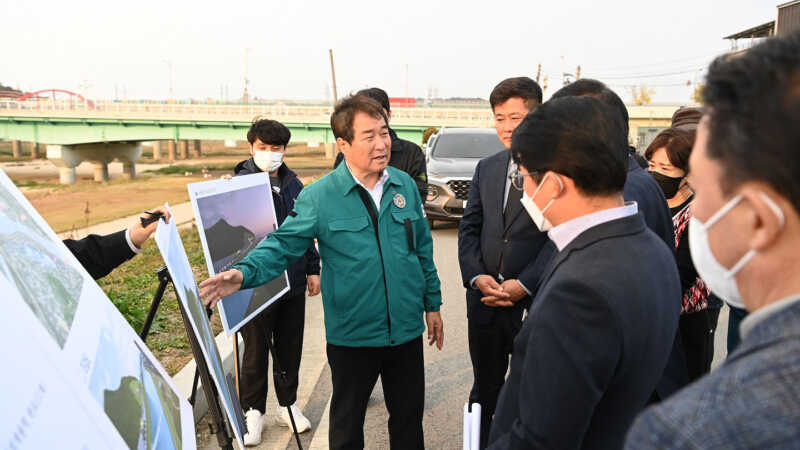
(378, 277)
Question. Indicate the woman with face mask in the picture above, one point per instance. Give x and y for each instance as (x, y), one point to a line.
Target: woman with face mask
(668, 157)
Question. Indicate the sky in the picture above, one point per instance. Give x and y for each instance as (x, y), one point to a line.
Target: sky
(412, 47)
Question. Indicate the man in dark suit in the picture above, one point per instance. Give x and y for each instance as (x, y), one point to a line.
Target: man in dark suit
(498, 246)
(745, 232)
(99, 255)
(642, 188)
(603, 321)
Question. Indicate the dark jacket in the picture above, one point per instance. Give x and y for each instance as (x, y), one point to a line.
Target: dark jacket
(99, 255)
(408, 157)
(642, 188)
(487, 245)
(284, 202)
(594, 343)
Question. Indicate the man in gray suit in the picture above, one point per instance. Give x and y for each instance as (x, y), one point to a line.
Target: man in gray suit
(744, 239)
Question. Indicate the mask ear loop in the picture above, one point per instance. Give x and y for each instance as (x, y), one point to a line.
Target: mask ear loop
(561, 189)
(749, 255)
(724, 210)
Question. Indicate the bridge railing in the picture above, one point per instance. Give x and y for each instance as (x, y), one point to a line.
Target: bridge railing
(237, 113)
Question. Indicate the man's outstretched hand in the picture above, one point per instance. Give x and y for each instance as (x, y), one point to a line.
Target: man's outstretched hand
(220, 285)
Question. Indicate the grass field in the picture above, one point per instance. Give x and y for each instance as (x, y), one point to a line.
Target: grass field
(87, 202)
(131, 288)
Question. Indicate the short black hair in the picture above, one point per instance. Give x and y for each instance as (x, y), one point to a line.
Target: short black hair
(377, 94)
(597, 89)
(753, 104)
(270, 132)
(345, 111)
(522, 87)
(579, 137)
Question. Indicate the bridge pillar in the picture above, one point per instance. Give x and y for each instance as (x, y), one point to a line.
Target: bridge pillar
(67, 157)
(128, 170)
(16, 149)
(184, 148)
(35, 150)
(100, 171)
(156, 150)
(196, 152)
(171, 149)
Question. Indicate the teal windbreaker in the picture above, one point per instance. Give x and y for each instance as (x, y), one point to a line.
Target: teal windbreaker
(375, 288)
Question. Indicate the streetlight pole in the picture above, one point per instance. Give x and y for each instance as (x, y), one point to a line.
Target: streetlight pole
(168, 62)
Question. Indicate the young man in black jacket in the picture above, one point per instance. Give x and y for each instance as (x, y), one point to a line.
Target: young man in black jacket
(405, 155)
(282, 322)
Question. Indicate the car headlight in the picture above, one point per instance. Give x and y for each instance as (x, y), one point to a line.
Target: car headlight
(433, 193)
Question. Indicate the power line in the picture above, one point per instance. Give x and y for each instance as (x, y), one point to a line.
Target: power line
(653, 64)
(650, 75)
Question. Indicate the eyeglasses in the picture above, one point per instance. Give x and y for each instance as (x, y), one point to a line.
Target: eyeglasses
(518, 178)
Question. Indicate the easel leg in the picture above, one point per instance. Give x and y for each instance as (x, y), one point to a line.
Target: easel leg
(163, 280)
(236, 361)
(223, 438)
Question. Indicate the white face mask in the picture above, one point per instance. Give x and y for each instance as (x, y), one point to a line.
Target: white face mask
(536, 214)
(721, 281)
(268, 161)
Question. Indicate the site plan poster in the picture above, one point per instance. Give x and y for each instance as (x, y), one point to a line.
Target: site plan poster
(233, 217)
(171, 247)
(78, 366)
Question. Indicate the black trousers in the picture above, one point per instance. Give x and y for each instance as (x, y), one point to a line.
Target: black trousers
(697, 338)
(354, 372)
(283, 321)
(490, 347)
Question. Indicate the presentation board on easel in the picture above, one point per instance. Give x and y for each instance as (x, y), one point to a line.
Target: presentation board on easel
(233, 216)
(82, 377)
(174, 254)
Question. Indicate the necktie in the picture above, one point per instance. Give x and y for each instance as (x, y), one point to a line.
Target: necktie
(512, 203)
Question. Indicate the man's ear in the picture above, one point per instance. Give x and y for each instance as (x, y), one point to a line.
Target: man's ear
(342, 145)
(766, 218)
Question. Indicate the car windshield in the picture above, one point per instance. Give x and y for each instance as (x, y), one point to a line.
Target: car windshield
(467, 145)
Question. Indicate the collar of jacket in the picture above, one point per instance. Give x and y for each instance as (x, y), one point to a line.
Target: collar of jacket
(395, 138)
(249, 166)
(774, 328)
(347, 183)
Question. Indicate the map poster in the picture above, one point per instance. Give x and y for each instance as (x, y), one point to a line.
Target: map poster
(171, 247)
(233, 217)
(107, 379)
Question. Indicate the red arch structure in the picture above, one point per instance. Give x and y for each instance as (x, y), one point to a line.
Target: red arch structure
(35, 95)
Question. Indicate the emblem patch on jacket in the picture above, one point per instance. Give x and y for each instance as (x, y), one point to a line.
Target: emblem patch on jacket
(399, 200)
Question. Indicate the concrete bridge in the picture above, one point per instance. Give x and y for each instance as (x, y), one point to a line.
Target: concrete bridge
(77, 131)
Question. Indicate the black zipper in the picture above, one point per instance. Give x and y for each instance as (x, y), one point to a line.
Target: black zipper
(367, 201)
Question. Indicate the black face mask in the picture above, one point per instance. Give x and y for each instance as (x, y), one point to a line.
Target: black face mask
(669, 185)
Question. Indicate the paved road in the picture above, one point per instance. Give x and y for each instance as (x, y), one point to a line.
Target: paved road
(448, 373)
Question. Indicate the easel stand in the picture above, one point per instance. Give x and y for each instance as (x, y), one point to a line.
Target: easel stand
(201, 372)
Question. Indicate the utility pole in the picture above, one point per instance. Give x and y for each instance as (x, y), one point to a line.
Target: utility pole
(406, 80)
(578, 72)
(168, 62)
(333, 76)
(246, 80)
(538, 73)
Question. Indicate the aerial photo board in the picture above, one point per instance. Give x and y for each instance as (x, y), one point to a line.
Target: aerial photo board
(171, 247)
(109, 391)
(233, 217)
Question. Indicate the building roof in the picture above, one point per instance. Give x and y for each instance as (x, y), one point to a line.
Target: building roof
(788, 4)
(765, 30)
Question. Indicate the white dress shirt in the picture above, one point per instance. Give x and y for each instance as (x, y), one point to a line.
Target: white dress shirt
(565, 233)
(376, 192)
